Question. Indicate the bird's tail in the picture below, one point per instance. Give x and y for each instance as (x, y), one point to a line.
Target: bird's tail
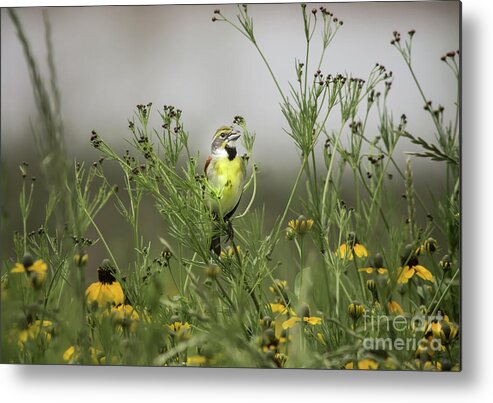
(216, 237)
(216, 244)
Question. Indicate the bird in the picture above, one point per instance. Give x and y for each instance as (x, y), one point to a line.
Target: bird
(225, 172)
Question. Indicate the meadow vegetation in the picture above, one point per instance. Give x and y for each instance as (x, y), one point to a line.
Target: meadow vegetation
(369, 287)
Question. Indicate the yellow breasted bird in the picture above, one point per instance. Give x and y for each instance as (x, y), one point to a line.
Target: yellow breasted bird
(225, 171)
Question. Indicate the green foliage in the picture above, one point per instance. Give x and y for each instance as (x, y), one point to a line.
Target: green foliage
(312, 290)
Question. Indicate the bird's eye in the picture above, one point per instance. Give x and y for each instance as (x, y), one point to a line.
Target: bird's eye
(223, 135)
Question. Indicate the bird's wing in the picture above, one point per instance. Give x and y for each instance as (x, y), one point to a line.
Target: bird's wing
(207, 162)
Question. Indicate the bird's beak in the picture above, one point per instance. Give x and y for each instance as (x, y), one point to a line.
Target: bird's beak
(233, 136)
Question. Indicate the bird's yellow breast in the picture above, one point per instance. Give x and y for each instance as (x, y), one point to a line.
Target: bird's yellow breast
(227, 177)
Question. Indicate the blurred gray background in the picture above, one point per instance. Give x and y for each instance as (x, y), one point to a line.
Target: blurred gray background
(111, 58)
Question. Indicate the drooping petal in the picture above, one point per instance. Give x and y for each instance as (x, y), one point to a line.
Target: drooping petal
(313, 320)
(405, 274)
(360, 250)
(367, 363)
(291, 322)
(18, 268)
(39, 267)
(69, 354)
(345, 252)
(278, 308)
(196, 360)
(423, 272)
(394, 307)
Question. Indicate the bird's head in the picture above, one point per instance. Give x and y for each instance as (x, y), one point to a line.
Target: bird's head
(224, 139)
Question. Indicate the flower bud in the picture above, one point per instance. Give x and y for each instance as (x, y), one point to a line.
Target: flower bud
(356, 310)
(371, 285)
(290, 233)
(446, 263)
(212, 271)
(81, 259)
(266, 322)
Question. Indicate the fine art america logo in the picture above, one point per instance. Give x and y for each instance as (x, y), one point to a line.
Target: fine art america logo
(403, 333)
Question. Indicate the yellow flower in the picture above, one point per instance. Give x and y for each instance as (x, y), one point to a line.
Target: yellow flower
(281, 308)
(36, 270)
(408, 272)
(394, 307)
(293, 320)
(125, 317)
(72, 355)
(103, 294)
(181, 330)
(377, 266)
(299, 226)
(352, 245)
(311, 320)
(80, 259)
(35, 331)
(304, 316)
(196, 360)
(448, 332)
(106, 291)
(411, 266)
(321, 338)
(356, 310)
(430, 245)
(365, 363)
(446, 263)
(370, 270)
(278, 286)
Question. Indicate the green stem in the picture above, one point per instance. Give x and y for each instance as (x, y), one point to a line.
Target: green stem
(102, 239)
(275, 234)
(445, 292)
(329, 172)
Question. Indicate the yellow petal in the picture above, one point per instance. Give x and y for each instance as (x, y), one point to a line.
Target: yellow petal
(290, 322)
(18, 268)
(368, 270)
(313, 320)
(360, 250)
(381, 270)
(105, 294)
(423, 272)
(394, 307)
(39, 267)
(406, 273)
(69, 354)
(278, 308)
(344, 253)
(367, 363)
(196, 360)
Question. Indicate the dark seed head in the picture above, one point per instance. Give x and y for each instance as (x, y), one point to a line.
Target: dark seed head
(27, 260)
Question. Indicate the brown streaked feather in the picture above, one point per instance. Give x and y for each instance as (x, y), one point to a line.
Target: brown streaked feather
(207, 162)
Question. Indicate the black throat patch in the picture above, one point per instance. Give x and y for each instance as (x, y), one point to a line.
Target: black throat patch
(231, 152)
